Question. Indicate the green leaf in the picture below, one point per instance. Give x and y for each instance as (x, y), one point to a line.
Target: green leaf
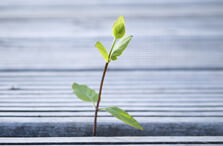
(84, 93)
(118, 28)
(120, 46)
(102, 50)
(124, 116)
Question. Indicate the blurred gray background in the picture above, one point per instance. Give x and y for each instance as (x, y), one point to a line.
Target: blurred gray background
(60, 34)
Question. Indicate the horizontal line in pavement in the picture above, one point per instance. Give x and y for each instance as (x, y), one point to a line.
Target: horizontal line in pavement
(30, 116)
(115, 140)
(113, 69)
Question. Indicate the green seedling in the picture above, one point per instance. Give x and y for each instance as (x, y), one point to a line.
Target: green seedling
(89, 95)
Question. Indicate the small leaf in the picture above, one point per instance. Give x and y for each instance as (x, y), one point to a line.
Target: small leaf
(102, 50)
(124, 116)
(84, 93)
(118, 28)
(120, 47)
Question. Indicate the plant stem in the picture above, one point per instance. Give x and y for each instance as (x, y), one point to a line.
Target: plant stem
(100, 90)
(113, 43)
(99, 99)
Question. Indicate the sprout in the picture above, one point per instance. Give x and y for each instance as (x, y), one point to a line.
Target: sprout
(89, 95)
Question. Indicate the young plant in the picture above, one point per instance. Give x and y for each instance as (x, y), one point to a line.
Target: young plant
(89, 95)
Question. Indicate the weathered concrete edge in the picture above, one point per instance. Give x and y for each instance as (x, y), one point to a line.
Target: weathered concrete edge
(83, 127)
